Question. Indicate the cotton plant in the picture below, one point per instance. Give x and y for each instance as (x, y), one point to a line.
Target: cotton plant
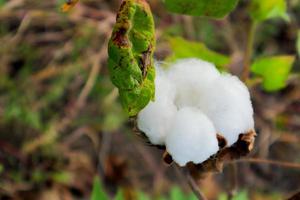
(193, 103)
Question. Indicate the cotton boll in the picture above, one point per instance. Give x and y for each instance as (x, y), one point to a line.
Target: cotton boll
(208, 103)
(192, 137)
(155, 119)
(191, 77)
(164, 89)
(227, 103)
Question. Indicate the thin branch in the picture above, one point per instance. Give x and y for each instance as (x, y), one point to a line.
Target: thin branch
(60, 125)
(185, 175)
(270, 162)
(295, 196)
(103, 152)
(249, 51)
(233, 188)
(229, 35)
(195, 187)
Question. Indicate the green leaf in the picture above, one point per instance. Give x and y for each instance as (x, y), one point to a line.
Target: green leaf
(243, 195)
(17, 110)
(139, 195)
(298, 43)
(187, 49)
(38, 176)
(62, 177)
(142, 196)
(130, 53)
(177, 194)
(211, 8)
(223, 196)
(98, 193)
(192, 197)
(119, 195)
(161, 198)
(2, 3)
(261, 10)
(274, 71)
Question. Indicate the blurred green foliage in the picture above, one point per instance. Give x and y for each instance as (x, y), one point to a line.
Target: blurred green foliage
(2, 2)
(215, 8)
(208, 33)
(242, 195)
(261, 10)
(182, 48)
(274, 71)
(64, 177)
(98, 192)
(175, 193)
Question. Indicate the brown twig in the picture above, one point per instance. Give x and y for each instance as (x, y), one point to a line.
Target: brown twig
(185, 176)
(229, 36)
(103, 152)
(195, 188)
(295, 196)
(270, 162)
(249, 51)
(287, 137)
(233, 188)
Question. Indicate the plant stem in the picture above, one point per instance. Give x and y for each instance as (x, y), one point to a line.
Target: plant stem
(270, 162)
(249, 51)
(233, 180)
(185, 175)
(195, 188)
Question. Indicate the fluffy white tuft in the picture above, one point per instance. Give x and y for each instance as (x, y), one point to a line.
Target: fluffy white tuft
(227, 103)
(155, 119)
(193, 102)
(192, 137)
(191, 77)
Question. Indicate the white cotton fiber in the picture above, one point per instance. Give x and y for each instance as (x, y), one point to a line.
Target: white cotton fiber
(155, 119)
(192, 137)
(227, 103)
(164, 88)
(194, 102)
(191, 77)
